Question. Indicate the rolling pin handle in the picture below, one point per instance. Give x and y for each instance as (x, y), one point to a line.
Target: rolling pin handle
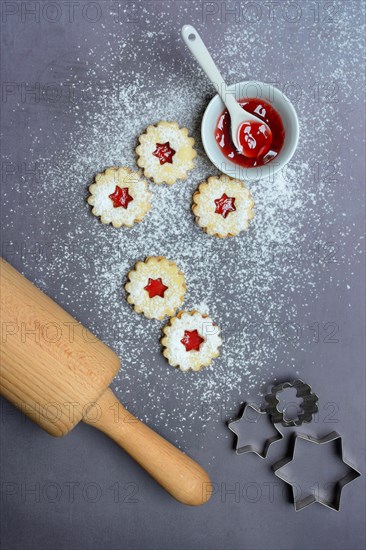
(177, 473)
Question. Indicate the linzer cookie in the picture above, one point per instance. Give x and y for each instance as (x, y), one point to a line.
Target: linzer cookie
(156, 287)
(223, 206)
(166, 152)
(191, 341)
(119, 196)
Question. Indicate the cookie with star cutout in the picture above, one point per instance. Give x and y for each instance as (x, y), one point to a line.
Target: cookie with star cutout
(223, 206)
(166, 153)
(119, 196)
(155, 287)
(191, 340)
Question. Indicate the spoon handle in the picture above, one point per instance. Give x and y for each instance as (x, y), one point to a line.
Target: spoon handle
(202, 55)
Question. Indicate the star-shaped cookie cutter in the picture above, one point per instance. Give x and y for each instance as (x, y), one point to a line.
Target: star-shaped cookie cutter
(250, 448)
(302, 502)
(309, 403)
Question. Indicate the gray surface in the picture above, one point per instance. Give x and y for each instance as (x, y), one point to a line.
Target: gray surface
(312, 50)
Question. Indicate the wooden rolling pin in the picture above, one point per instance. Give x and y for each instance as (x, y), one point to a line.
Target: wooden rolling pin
(58, 373)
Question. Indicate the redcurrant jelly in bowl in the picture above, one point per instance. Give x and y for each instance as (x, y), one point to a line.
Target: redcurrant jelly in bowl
(259, 145)
(264, 153)
(254, 137)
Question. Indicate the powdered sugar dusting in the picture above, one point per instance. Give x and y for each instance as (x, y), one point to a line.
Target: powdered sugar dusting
(251, 285)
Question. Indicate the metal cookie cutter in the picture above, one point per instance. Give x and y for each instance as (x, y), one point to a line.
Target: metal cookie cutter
(262, 449)
(327, 494)
(309, 403)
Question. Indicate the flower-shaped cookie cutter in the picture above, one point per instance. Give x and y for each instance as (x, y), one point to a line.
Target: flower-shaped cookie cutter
(260, 415)
(310, 493)
(309, 403)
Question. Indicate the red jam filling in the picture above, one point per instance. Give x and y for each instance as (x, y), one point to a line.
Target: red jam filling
(262, 110)
(121, 197)
(192, 340)
(164, 153)
(225, 205)
(255, 139)
(155, 287)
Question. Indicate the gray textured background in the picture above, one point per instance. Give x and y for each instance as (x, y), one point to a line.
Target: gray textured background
(81, 491)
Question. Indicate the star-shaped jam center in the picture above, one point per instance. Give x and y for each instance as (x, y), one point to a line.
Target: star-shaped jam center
(121, 197)
(164, 153)
(192, 340)
(225, 205)
(155, 287)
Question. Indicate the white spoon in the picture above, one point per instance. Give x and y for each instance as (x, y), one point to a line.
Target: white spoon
(243, 136)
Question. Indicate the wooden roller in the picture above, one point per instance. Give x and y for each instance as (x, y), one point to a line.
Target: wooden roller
(57, 373)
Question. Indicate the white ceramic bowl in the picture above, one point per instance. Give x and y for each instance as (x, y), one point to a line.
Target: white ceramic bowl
(288, 115)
